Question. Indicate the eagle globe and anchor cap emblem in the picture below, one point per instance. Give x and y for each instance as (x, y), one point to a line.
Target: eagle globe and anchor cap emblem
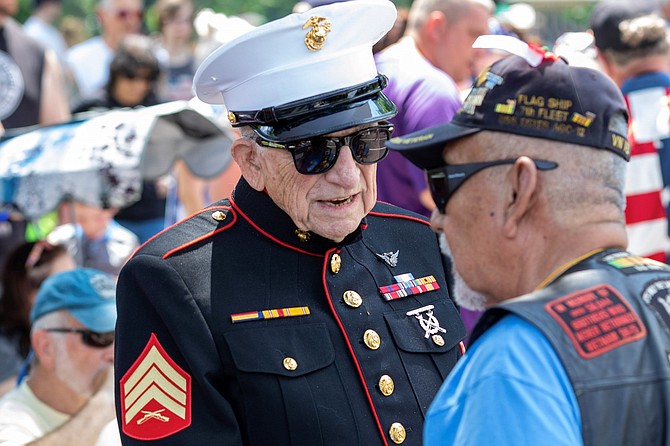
(316, 36)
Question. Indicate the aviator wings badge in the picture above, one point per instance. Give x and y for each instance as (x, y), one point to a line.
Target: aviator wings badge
(390, 258)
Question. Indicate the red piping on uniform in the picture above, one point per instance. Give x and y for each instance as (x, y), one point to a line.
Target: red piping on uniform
(351, 350)
(404, 217)
(206, 236)
(279, 242)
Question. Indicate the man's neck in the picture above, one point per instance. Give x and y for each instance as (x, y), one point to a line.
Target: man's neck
(53, 392)
(659, 63)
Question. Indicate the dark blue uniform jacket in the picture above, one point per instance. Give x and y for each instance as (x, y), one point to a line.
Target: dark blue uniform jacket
(199, 361)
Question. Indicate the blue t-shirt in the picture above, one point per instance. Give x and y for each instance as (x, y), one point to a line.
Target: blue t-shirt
(510, 388)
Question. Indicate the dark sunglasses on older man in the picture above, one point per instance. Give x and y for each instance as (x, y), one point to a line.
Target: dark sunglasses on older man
(443, 181)
(88, 337)
(317, 155)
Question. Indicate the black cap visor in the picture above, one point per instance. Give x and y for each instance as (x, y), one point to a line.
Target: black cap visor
(330, 119)
(424, 148)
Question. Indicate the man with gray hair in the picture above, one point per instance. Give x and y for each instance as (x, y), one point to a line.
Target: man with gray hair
(67, 397)
(528, 179)
(632, 43)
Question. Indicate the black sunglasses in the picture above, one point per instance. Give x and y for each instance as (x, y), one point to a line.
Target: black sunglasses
(318, 154)
(88, 337)
(443, 181)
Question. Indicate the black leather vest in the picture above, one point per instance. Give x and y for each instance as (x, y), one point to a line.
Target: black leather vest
(608, 318)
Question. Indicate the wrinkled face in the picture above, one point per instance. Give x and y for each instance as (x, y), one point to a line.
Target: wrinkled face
(330, 204)
(458, 38)
(80, 366)
(120, 18)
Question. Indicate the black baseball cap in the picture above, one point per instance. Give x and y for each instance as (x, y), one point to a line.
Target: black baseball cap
(606, 20)
(552, 101)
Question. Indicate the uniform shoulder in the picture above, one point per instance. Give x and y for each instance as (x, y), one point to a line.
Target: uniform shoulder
(191, 231)
(386, 210)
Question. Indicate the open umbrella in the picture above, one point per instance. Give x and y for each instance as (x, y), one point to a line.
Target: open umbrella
(101, 159)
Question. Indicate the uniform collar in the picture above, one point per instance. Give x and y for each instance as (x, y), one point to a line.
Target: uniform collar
(259, 209)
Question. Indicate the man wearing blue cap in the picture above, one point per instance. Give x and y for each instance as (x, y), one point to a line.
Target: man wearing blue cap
(299, 311)
(67, 396)
(528, 180)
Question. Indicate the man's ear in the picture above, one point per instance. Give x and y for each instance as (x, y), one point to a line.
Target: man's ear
(44, 349)
(246, 154)
(434, 27)
(523, 186)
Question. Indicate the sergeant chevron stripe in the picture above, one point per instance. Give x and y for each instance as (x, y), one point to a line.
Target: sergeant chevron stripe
(155, 395)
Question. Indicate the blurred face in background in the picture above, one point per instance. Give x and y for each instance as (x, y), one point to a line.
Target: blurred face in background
(93, 221)
(456, 57)
(8, 7)
(119, 18)
(178, 24)
(132, 87)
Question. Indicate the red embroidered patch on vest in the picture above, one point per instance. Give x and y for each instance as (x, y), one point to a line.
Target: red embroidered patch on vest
(155, 395)
(597, 320)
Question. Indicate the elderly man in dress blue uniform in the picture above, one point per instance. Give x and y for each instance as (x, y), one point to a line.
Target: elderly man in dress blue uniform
(299, 310)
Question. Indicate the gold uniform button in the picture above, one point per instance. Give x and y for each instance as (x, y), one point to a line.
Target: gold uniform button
(290, 364)
(397, 433)
(386, 385)
(438, 340)
(219, 215)
(372, 339)
(352, 298)
(232, 118)
(335, 263)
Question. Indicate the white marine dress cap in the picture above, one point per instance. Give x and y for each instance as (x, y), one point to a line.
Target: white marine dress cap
(303, 75)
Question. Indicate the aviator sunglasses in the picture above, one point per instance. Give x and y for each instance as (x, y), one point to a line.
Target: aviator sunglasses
(443, 181)
(317, 155)
(88, 337)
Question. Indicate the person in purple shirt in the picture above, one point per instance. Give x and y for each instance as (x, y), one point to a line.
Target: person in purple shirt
(423, 68)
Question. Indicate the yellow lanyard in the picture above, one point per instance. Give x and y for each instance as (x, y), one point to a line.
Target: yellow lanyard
(557, 272)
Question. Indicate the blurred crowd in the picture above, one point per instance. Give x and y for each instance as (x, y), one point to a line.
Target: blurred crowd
(430, 64)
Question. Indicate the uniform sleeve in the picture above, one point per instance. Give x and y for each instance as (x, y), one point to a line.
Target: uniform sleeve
(167, 368)
(509, 389)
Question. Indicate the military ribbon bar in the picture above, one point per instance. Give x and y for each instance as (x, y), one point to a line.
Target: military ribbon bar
(406, 285)
(269, 314)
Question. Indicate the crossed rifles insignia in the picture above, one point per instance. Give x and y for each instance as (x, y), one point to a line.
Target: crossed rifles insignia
(430, 324)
